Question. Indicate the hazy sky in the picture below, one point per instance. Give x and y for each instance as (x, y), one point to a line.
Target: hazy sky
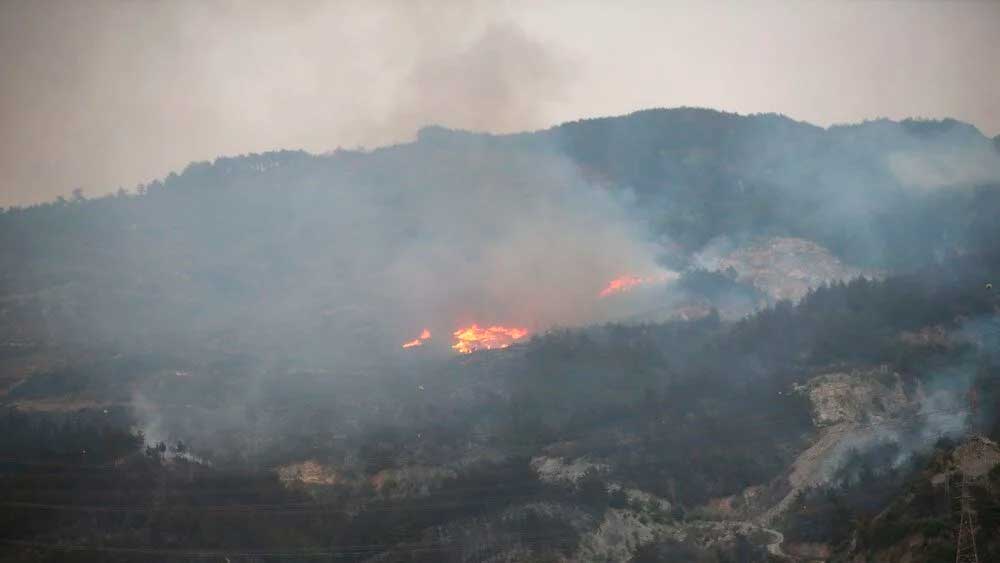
(106, 94)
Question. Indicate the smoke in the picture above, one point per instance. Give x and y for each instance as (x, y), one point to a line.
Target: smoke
(504, 81)
(539, 245)
(475, 237)
(939, 408)
(850, 187)
(101, 95)
(519, 240)
(288, 282)
(337, 260)
(945, 165)
(106, 93)
(155, 429)
(710, 256)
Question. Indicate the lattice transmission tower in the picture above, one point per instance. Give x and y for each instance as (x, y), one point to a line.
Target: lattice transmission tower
(965, 541)
(965, 537)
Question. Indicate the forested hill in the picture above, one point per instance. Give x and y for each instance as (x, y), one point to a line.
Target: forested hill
(288, 243)
(871, 192)
(219, 364)
(878, 193)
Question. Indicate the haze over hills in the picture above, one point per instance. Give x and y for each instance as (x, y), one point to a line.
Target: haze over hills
(529, 228)
(709, 326)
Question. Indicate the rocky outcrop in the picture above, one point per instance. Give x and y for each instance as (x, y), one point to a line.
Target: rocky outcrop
(557, 470)
(860, 396)
(849, 409)
(618, 536)
(782, 267)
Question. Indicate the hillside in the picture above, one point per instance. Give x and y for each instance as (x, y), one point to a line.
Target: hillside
(307, 248)
(695, 438)
(691, 335)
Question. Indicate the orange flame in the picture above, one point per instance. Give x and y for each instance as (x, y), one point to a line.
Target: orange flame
(628, 283)
(473, 338)
(425, 335)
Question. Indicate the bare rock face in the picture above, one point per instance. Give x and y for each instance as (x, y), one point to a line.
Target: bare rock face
(617, 537)
(785, 267)
(857, 397)
(847, 408)
(557, 470)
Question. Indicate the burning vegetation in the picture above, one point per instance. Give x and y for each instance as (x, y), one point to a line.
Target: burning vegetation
(473, 338)
(628, 283)
(419, 341)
